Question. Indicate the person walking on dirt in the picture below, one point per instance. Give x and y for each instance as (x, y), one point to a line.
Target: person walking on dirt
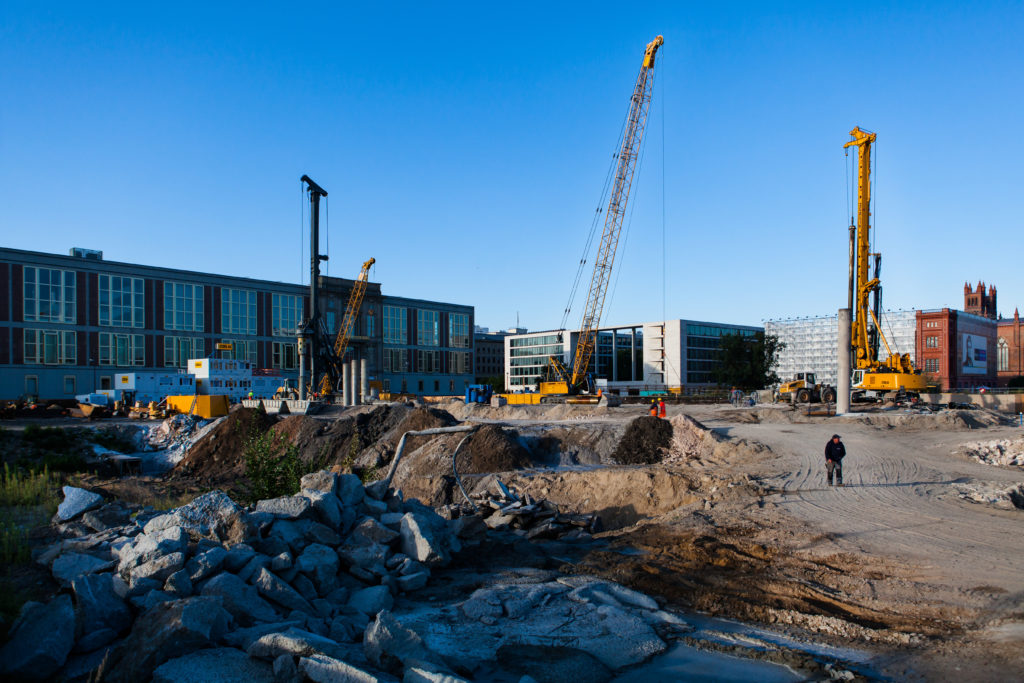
(834, 452)
(661, 407)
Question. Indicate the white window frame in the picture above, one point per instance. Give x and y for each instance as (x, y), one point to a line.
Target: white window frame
(108, 351)
(428, 327)
(458, 330)
(135, 308)
(285, 356)
(236, 306)
(174, 357)
(396, 320)
(286, 314)
(65, 347)
(189, 304)
(247, 346)
(64, 297)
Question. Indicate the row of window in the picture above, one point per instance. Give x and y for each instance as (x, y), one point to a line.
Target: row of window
(715, 331)
(428, 328)
(397, 361)
(50, 296)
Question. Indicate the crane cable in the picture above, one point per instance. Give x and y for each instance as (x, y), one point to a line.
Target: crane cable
(613, 163)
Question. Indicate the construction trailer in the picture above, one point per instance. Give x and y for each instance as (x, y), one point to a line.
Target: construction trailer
(216, 376)
(150, 386)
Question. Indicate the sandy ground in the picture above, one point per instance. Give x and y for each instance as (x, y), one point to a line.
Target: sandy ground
(743, 525)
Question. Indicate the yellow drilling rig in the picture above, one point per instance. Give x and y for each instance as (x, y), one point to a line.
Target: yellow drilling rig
(896, 376)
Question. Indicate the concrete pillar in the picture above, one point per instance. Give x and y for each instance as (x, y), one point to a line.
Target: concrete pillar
(363, 384)
(344, 386)
(843, 382)
(632, 355)
(353, 370)
(615, 356)
(302, 368)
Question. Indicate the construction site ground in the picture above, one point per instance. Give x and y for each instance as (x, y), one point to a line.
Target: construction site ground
(911, 570)
(739, 522)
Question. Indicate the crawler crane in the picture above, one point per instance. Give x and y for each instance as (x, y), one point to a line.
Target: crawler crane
(565, 381)
(896, 376)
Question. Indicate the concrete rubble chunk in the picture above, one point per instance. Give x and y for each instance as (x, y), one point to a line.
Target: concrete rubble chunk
(285, 669)
(110, 516)
(321, 533)
(240, 599)
(238, 556)
(305, 587)
(287, 507)
(323, 669)
(389, 645)
(350, 490)
(101, 613)
(392, 520)
(276, 590)
(281, 562)
(372, 600)
(296, 642)
(211, 515)
(412, 582)
(372, 530)
(167, 631)
(77, 501)
(69, 565)
(206, 564)
(291, 532)
(323, 481)
(221, 664)
(252, 568)
(40, 640)
(178, 584)
(424, 674)
(160, 568)
(363, 555)
(244, 637)
(421, 542)
(149, 546)
(373, 506)
(326, 507)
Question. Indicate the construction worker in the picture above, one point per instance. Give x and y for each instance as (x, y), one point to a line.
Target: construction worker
(654, 407)
(661, 407)
(834, 453)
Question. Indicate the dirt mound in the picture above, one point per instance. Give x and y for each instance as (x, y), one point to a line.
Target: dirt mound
(646, 440)
(380, 431)
(217, 457)
(320, 443)
(426, 473)
(1001, 452)
(690, 440)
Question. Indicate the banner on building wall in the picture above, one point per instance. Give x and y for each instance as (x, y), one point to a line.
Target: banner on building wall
(973, 354)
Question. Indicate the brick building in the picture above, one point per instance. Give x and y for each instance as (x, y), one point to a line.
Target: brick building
(1009, 349)
(979, 302)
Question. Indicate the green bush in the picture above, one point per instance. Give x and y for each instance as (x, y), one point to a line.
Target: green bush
(14, 548)
(272, 465)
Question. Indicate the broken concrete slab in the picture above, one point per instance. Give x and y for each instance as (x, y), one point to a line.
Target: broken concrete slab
(372, 600)
(323, 669)
(287, 507)
(215, 665)
(276, 590)
(167, 631)
(69, 565)
(40, 640)
(101, 613)
(389, 645)
(77, 501)
(240, 599)
(295, 642)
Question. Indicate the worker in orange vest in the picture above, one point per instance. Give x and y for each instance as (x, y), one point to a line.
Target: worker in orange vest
(661, 407)
(654, 407)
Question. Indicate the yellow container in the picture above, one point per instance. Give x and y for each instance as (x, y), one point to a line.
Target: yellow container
(522, 399)
(205, 406)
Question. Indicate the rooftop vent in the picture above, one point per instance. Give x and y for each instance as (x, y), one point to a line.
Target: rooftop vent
(79, 252)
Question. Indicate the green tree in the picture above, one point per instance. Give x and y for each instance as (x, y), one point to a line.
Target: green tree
(748, 362)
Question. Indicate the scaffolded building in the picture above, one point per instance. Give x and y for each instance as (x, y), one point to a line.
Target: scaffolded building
(811, 344)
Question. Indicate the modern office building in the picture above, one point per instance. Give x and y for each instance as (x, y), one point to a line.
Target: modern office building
(670, 354)
(69, 323)
(489, 351)
(811, 344)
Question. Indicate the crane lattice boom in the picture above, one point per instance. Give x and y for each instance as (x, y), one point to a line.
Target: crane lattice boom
(355, 302)
(640, 104)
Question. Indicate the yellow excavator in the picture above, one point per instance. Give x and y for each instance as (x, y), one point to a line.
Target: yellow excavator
(564, 383)
(896, 376)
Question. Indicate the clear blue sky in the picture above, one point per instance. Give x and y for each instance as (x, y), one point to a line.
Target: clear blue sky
(465, 146)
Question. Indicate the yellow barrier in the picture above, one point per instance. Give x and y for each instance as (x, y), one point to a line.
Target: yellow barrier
(206, 406)
(522, 399)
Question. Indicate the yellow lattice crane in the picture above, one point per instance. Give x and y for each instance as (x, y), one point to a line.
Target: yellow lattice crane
(355, 302)
(897, 374)
(577, 379)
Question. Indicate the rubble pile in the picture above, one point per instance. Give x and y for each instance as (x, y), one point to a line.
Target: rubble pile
(1001, 452)
(293, 586)
(526, 516)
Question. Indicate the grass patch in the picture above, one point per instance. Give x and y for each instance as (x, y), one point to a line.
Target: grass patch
(20, 488)
(272, 466)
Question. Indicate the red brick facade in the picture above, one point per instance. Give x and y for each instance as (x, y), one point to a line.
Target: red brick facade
(956, 349)
(1010, 349)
